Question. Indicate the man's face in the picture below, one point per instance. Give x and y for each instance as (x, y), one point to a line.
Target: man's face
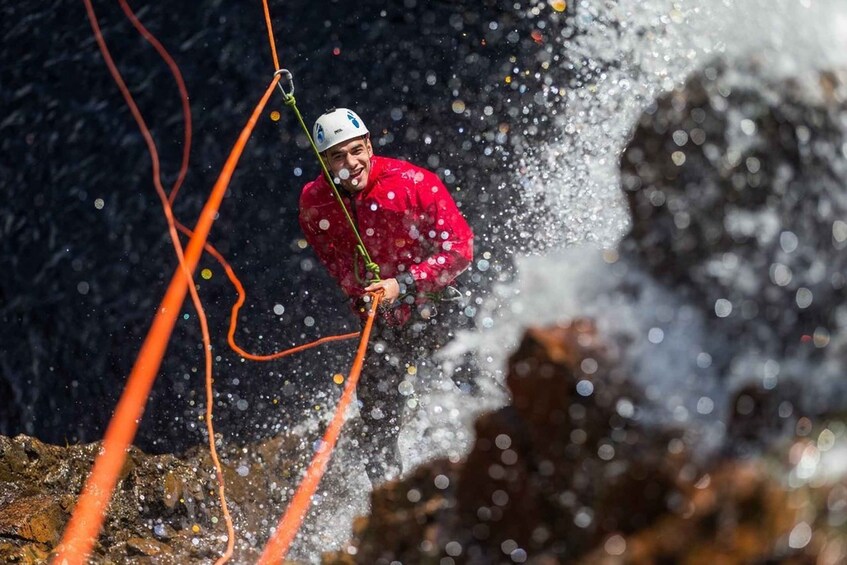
(350, 161)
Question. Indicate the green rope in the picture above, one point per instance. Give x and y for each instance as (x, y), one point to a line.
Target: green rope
(288, 99)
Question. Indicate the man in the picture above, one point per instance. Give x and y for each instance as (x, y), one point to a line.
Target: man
(414, 232)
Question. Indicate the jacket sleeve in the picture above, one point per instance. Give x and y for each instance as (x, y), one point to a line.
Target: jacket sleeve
(448, 233)
(327, 249)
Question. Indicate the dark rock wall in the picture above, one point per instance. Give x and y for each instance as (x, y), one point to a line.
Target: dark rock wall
(736, 188)
(572, 473)
(79, 283)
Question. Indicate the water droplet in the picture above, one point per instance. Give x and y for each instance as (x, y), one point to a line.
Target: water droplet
(839, 231)
(800, 536)
(826, 440)
(502, 441)
(705, 405)
(606, 452)
(584, 388)
(804, 297)
(453, 549)
(615, 545)
(583, 517)
(625, 408)
(723, 307)
(780, 274)
(500, 497)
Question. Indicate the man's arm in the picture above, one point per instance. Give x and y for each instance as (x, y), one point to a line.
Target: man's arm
(449, 233)
(327, 250)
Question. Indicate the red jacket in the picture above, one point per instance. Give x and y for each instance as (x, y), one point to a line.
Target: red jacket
(407, 220)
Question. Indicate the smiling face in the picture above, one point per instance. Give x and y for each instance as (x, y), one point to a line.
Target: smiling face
(350, 161)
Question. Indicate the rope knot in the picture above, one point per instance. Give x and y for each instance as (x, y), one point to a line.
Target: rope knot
(372, 267)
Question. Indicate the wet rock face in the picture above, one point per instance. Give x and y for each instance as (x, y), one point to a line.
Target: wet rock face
(741, 512)
(557, 471)
(569, 474)
(736, 188)
(165, 508)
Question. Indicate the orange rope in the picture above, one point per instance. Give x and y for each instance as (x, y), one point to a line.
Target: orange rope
(289, 524)
(270, 33)
(88, 515)
(183, 95)
(87, 518)
(233, 319)
(277, 547)
(207, 346)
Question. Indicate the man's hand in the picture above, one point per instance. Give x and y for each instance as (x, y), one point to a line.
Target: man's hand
(390, 287)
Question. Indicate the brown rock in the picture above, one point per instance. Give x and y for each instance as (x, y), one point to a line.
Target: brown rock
(559, 465)
(578, 469)
(23, 554)
(146, 546)
(739, 513)
(37, 518)
(409, 518)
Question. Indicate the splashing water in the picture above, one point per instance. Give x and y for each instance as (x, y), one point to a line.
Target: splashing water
(620, 58)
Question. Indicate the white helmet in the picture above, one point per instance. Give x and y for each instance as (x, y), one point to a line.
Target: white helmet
(336, 126)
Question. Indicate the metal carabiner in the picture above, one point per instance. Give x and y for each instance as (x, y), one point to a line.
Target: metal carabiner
(286, 77)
